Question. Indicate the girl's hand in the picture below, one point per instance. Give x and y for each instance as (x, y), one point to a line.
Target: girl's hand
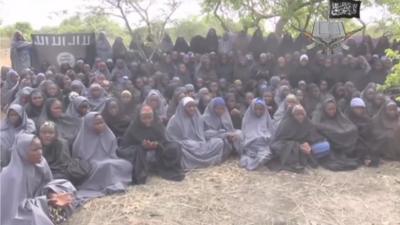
(61, 200)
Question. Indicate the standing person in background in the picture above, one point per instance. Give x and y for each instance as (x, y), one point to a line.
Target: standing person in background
(20, 52)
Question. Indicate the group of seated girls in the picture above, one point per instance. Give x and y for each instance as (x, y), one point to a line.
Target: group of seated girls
(58, 162)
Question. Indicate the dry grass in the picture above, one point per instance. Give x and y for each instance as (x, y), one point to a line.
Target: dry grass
(229, 195)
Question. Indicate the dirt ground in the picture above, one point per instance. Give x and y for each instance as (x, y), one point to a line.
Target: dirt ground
(228, 195)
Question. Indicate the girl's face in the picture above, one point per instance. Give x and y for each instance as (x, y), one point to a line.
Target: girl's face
(113, 108)
(330, 109)
(299, 115)
(231, 102)
(37, 100)
(219, 110)
(315, 92)
(190, 109)
(379, 99)
(67, 82)
(52, 90)
(259, 110)
(99, 124)
(126, 98)
(358, 110)
(370, 94)
(291, 103)
(95, 92)
(34, 154)
(213, 87)
(56, 109)
(154, 102)
(268, 97)
(83, 108)
(147, 119)
(47, 135)
(391, 111)
(14, 118)
(249, 98)
(323, 86)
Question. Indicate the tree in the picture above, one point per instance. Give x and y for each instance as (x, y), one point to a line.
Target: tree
(143, 11)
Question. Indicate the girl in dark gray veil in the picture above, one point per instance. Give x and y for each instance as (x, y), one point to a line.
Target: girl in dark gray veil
(336, 127)
(218, 123)
(257, 131)
(16, 121)
(78, 107)
(97, 97)
(157, 101)
(29, 195)
(97, 145)
(57, 153)
(186, 127)
(290, 101)
(67, 126)
(9, 88)
(386, 130)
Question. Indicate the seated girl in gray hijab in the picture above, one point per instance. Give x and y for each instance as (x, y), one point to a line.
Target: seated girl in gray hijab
(293, 141)
(78, 107)
(218, 123)
(186, 127)
(158, 103)
(16, 121)
(97, 144)
(257, 131)
(287, 105)
(29, 195)
(145, 146)
(57, 154)
(386, 131)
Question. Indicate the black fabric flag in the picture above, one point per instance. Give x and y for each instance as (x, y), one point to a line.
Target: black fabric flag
(344, 9)
(56, 49)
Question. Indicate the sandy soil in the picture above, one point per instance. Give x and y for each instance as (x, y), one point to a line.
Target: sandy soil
(228, 194)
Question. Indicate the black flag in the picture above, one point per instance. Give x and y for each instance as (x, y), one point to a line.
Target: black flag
(344, 9)
(56, 49)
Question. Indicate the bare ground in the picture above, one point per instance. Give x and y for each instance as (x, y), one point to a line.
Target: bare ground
(228, 194)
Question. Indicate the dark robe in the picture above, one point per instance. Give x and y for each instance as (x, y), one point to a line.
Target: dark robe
(340, 131)
(118, 124)
(181, 45)
(198, 44)
(61, 163)
(212, 40)
(385, 131)
(165, 159)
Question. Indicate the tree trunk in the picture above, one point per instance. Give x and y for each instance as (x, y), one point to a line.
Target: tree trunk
(280, 25)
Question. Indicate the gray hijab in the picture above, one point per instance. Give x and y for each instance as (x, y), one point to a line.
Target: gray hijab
(21, 182)
(182, 127)
(8, 132)
(254, 126)
(213, 121)
(73, 107)
(161, 111)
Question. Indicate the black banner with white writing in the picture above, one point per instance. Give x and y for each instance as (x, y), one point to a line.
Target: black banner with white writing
(56, 49)
(344, 9)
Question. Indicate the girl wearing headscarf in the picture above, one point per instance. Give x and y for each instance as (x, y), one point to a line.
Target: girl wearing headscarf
(312, 98)
(385, 130)
(281, 93)
(115, 120)
(257, 131)
(212, 40)
(78, 87)
(203, 98)
(97, 97)
(293, 141)
(35, 105)
(96, 144)
(368, 96)
(20, 52)
(119, 50)
(9, 88)
(79, 107)
(179, 93)
(336, 127)
(127, 104)
(218, 123)
(235, 110)
(186, 127)
(146, 147)
(16, 122)
(29, 195)
(67, 126)
(57, 154)
(103, 47)
(286, 106)
(358, 115)
(158, 103)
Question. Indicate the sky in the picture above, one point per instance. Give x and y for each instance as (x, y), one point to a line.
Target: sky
(49, 12)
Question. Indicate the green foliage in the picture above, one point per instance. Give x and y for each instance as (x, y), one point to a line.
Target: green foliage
(393, 79)
(8, 31)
